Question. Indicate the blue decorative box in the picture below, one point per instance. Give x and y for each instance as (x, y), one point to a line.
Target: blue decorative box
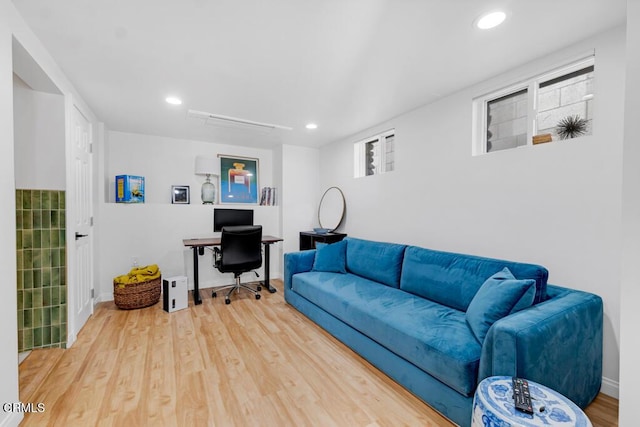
(129, 189)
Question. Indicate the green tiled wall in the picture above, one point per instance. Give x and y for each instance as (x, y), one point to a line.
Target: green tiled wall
(41, 266)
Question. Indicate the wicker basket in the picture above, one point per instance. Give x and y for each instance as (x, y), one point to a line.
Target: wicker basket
(137, 295)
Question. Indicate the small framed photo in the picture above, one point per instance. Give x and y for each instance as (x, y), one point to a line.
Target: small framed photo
(180, 194)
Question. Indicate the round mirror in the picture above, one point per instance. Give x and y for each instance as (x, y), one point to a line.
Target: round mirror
(331, 209)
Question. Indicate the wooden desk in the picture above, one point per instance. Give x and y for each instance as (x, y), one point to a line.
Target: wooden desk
(198, 246)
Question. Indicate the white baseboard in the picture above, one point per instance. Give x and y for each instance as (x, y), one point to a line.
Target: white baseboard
(107, 296)
(610, 387)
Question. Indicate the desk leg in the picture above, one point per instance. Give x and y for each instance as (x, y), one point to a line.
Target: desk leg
(267, 282)
(196, 285)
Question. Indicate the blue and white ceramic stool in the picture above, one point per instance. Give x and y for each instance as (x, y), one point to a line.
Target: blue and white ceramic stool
(493, 406)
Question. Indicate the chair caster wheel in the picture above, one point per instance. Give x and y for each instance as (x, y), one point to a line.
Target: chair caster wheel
(259, 288)
(257, 296)
(227, 301)
(213, 294)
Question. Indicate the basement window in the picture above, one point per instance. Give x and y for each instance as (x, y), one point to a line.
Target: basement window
(375, 155)
(549, 107)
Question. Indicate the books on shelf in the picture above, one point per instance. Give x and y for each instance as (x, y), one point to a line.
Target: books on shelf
(268, 196)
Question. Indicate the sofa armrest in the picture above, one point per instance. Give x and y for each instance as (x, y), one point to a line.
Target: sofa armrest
(297, 262)
(557, 343)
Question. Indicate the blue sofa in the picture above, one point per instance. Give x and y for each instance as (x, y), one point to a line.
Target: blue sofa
(438, 323)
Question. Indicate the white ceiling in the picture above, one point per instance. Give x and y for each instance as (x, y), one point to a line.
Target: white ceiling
(343, 64)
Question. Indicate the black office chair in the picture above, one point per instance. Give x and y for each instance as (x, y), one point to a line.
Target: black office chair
(240, 251)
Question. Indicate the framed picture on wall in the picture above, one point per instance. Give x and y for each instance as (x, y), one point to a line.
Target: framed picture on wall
(238, 179)
(180, 194)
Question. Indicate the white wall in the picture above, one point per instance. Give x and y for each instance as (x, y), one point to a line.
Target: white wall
(153, 232)
(300, 193)
(278, 250)
(555, 204)
(8, 299)
(39, 138)
(630, 286)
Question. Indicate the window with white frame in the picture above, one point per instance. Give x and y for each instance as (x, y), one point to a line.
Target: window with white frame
(549, 107)
(374, 155)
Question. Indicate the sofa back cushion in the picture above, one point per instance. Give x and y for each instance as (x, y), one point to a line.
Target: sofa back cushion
(453, 279)
(378, 261)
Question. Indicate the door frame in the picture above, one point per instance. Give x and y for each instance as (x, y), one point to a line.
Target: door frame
(72, 328)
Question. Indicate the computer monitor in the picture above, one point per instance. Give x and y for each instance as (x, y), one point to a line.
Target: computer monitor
(224, 217)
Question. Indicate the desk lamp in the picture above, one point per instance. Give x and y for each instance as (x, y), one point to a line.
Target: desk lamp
(208, 167)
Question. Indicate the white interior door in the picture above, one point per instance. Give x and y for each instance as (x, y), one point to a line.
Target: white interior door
(79, 207)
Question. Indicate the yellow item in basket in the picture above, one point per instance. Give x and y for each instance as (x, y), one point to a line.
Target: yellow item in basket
(149, 270)
(138, 275)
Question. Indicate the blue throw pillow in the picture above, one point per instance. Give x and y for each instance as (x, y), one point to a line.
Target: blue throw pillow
(331, 257)
(495, 299)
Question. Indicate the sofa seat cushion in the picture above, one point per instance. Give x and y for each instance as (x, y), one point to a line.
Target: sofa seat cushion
(431, 336)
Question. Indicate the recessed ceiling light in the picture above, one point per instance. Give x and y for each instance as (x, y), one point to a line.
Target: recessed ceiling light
(311, 126)
(173, 100)
(491, 20)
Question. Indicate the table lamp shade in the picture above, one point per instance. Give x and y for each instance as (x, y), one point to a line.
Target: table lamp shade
(208, 167)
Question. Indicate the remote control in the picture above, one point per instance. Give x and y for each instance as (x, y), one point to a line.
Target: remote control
(521, 396)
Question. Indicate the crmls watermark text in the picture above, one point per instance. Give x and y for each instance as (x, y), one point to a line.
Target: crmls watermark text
(23, 407)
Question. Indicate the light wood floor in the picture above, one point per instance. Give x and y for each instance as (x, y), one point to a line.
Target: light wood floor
(248, 363)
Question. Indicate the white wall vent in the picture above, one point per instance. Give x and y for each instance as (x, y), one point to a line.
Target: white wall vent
(220, 120)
